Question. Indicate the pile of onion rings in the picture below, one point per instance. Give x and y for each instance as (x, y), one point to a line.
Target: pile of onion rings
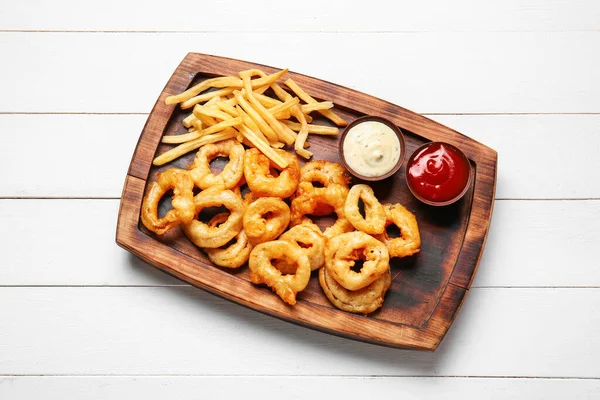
(267, 204)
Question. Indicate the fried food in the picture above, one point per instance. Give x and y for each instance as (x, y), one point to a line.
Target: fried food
(374, 220)
(232, 255)
(363, 301)
(265, 219)
(232, 172)
(203, 235)
(409, 241)
(324, 173)
(257, 170)
(262, 269)
(181, 183)
(309, 202)
(311, 241)
(342, 251)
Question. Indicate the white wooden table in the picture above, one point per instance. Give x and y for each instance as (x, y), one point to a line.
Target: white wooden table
(81, 318)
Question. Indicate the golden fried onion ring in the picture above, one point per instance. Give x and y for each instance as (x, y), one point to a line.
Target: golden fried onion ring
(257, 170)
(234, 255)
(311, 241)
(232, 172)
(306, 203)
(342, 251)
(262, 270)
(325, 173)
(374, 220)
(182, 185)
(203, 235)
(363, 301)
(409, 242)
(265, 219)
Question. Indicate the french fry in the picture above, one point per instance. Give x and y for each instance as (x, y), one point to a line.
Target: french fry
(304, 153)
(336, 119)
(263, 147)
(282, 107)
(187, 121)
(222, 125)
(308, 108)
(206, 97)
(262, 125)
(249, 122)
(186, 137)
(185, 148)
(211, 112)
(300, 116)
(315, 129)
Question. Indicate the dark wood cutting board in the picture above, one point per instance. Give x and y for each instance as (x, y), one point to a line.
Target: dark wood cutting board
(427, 289)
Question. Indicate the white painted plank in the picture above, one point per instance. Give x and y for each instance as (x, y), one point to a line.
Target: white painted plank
(67, 155)
(530, 243)
(68, 242)
(88, 155)
(271, 387)
(308, 15)
(556, 72)
(182, 330)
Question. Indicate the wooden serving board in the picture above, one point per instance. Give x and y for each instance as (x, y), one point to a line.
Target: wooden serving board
(427, 289)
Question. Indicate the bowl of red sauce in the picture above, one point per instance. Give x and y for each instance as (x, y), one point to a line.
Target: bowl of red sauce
(438, 174)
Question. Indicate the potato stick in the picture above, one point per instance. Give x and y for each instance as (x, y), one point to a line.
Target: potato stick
(308, 118)
(210, 112)
(262, 125)
(261, 89)
(221, 82)
(229, 109)
(230, 102)
(289, 131)
(186, 137)
(308, 108)
(285, 96)
(278, 145)
(264, 113)
(306, 145)
(316, 129)
(336, 119)
(205, 119)
(263, 147)
(187, 121)
(266, 100)
(222, 125)
(252, 72)
(304, 153)
(284, 106)
(197, 124)
(185, 148)
(206, 97)
(218, 82)
(213, 101)
(249, 122)
(282, 115)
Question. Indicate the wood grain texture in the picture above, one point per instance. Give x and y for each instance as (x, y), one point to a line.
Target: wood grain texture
(426, 291)
(270, 387)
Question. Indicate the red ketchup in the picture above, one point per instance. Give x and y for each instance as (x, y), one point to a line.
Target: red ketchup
(438, 172)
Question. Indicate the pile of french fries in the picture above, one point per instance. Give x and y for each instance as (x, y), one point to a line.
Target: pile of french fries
(236, 107)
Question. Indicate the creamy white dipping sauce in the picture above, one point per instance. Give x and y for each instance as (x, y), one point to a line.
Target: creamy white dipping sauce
(371, 148)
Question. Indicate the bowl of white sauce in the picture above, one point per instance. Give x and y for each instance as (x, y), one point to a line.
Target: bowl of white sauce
(372, 148)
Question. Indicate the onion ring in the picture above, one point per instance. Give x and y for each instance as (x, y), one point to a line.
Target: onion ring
(325, 173)
(306, 203)
(409, 242)
(363, 301)
(257, 170)
(265, 219)
(262, 270)
(374, 220)
(232, 172)
(311, 241)
(203, 235)
(234, 255)
(342, 251)
(181, 183)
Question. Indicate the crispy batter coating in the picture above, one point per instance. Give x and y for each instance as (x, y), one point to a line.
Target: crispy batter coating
(265, 219)
(262, 182)
(409, 242)
(363, 301)
(231, 174)
(182, 185)
(203, 235)
(374, 220)
(262, 269)
(311, 241)
(342, 251)
(234, 255)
